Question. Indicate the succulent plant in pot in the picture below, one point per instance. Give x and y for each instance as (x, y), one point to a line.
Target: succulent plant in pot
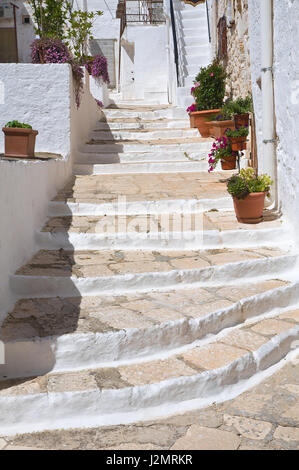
(220, 123)
(19, 140)
(238, 137)
(222, 151)
(208, 92)
(239, 109)
(248, 192)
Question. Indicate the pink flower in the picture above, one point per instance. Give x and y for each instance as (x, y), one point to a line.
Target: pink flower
(210, 169)
(212, 75)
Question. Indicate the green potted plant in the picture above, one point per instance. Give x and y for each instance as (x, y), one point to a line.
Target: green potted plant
(238, 137)
(248, 192)
(240, 109)
(19, 140)
(220, 124)
(222, 151)
(208, 92)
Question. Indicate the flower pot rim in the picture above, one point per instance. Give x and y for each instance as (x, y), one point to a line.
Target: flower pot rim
(251, 195)
(19, 130)
(208, 111)
(218, 123)
(238, 139)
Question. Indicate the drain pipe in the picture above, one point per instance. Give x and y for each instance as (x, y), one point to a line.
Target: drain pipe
(269, 163)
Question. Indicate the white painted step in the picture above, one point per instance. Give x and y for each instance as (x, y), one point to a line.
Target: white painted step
(195, 36)
(137, 168)
(143, 157)
(159, 124)
(222, 204)
(194, 69)
(167, 113)
(76, 408)
(147, 135)
(200, 23)
(79, 351)
(197, 49)
(30, 286)
(138, 147)
(192, 240)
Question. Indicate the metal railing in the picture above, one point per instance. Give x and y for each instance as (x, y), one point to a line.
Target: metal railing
(140, 12)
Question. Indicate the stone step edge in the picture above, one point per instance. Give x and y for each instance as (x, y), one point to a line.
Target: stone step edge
(142, 207)
(139, 168)
(207, 239)
(79, 351)
(88, 408)
(52, 286)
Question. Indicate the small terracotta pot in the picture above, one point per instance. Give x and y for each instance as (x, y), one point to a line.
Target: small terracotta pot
(199, 119)
(238, 143)
(250, 209)
(241, 120)
(218, 128)
(19, 143)
(229, 162)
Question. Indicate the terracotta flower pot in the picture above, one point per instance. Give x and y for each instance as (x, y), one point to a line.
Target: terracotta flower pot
(241, 120)
(238, 143)
(218, 128)
(229, 162)
(250, 209)
(199, 119)
(19, 142)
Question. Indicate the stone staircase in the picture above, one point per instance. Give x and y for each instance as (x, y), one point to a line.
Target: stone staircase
(194, 46)
(145, 297)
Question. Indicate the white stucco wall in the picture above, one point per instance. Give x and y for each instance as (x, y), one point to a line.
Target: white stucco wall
(144, 63)
(286, 91)
(41, 95)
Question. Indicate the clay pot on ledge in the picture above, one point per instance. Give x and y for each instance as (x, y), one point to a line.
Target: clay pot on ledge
(19, 142)
(250, 209)
(229, 162)
(218, 128)
(199, 120)
(238, 143)
(241, 120)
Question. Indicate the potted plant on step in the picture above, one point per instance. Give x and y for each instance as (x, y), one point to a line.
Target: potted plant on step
(222, 151)
(208, 91)
(19, 140)
(248, 192)
(240, 109)
(238, 138)
(220, 124)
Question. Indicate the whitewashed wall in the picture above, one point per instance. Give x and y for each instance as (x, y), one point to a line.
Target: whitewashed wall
(41, 95)
(144, 64)
(286, 90)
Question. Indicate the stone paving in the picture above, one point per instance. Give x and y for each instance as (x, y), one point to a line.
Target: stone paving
(265, 417)
(212, 220)
(141, 187)
(57, 316)
(108, 263)
(233, 345)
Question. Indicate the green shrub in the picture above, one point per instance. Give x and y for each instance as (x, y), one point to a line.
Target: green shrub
(239, 106)
(247, 182)
(19, 125)
(240, 132)
(209, 87)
